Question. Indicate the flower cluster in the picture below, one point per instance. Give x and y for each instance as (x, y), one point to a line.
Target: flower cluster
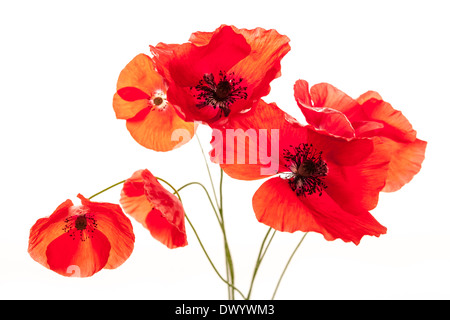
(324, 176)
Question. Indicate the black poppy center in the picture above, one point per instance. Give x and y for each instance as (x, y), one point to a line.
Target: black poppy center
(80, 226)
(307, 169)
(221, 94)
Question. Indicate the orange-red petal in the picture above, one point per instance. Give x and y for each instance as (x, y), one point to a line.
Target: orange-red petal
(137, 82)
(158, 210)
(45, 230)
(246, 147)
(263, 64)
(260, 67)
(133, 199)
(156, 127)
(140, 73)
(116, 227)
(70, 257)
(187, 63)
(368, 116)
(127, 109)
(320, 112)
(160, 130)
(325, 95)
(59, 244)
(405, 163)
(276, 205)
(395, 124)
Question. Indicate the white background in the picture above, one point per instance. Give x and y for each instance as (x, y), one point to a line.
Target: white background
(59, 137)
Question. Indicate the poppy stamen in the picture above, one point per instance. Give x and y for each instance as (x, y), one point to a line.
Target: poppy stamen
(307, 169)
(81, 226)
(221, 94)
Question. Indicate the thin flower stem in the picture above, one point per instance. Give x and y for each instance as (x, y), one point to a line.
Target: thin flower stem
(100, 192)
(207, 194)
(267, 247)
(212, 264)
(198, 238)
(261, 255)
(228, 259)
(287, 264)
(207, 168)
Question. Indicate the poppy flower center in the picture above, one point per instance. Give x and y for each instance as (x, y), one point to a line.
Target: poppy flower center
(221, 94)
(307, 169)
(158, 101)
(80, 226)
(81, 223)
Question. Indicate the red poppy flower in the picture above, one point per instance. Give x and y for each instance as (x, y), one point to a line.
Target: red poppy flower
(83, 239)
(328, 108)
(158, 210)
(222, 73)
(327, 183)
(141, 100)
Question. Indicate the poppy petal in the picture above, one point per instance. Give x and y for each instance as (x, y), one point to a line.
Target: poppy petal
(260, 67)
(325, 95)
(405, 163)
(190, 62)
(367, 96)
(136, 84)
(132, 94)
(276, 205)
(395, 124)
(115, 225)
(164, 231)
(160, 130)
(168, 207)
(247, 146)
(45, 230)
(133, 199)
(73, 257)
(323, 118)
(140, 73)
(263, 63)
(357, 186)
(356, 168)
(158, 210)
(127, 109)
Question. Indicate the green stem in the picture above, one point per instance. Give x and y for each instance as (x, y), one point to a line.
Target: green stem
(287, 264)
(207, 168)
(116, 184)
(261, 255)
(198, 238)
(228, 259)
(267, 247)
(207, 194)
(209, 259)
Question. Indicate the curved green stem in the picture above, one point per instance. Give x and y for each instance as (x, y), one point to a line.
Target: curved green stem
(207, 194)
(209, 259)
(287, 264)
(198, 238)
(100, 192)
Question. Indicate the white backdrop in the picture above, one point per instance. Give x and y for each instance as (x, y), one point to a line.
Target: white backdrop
(59, 137)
